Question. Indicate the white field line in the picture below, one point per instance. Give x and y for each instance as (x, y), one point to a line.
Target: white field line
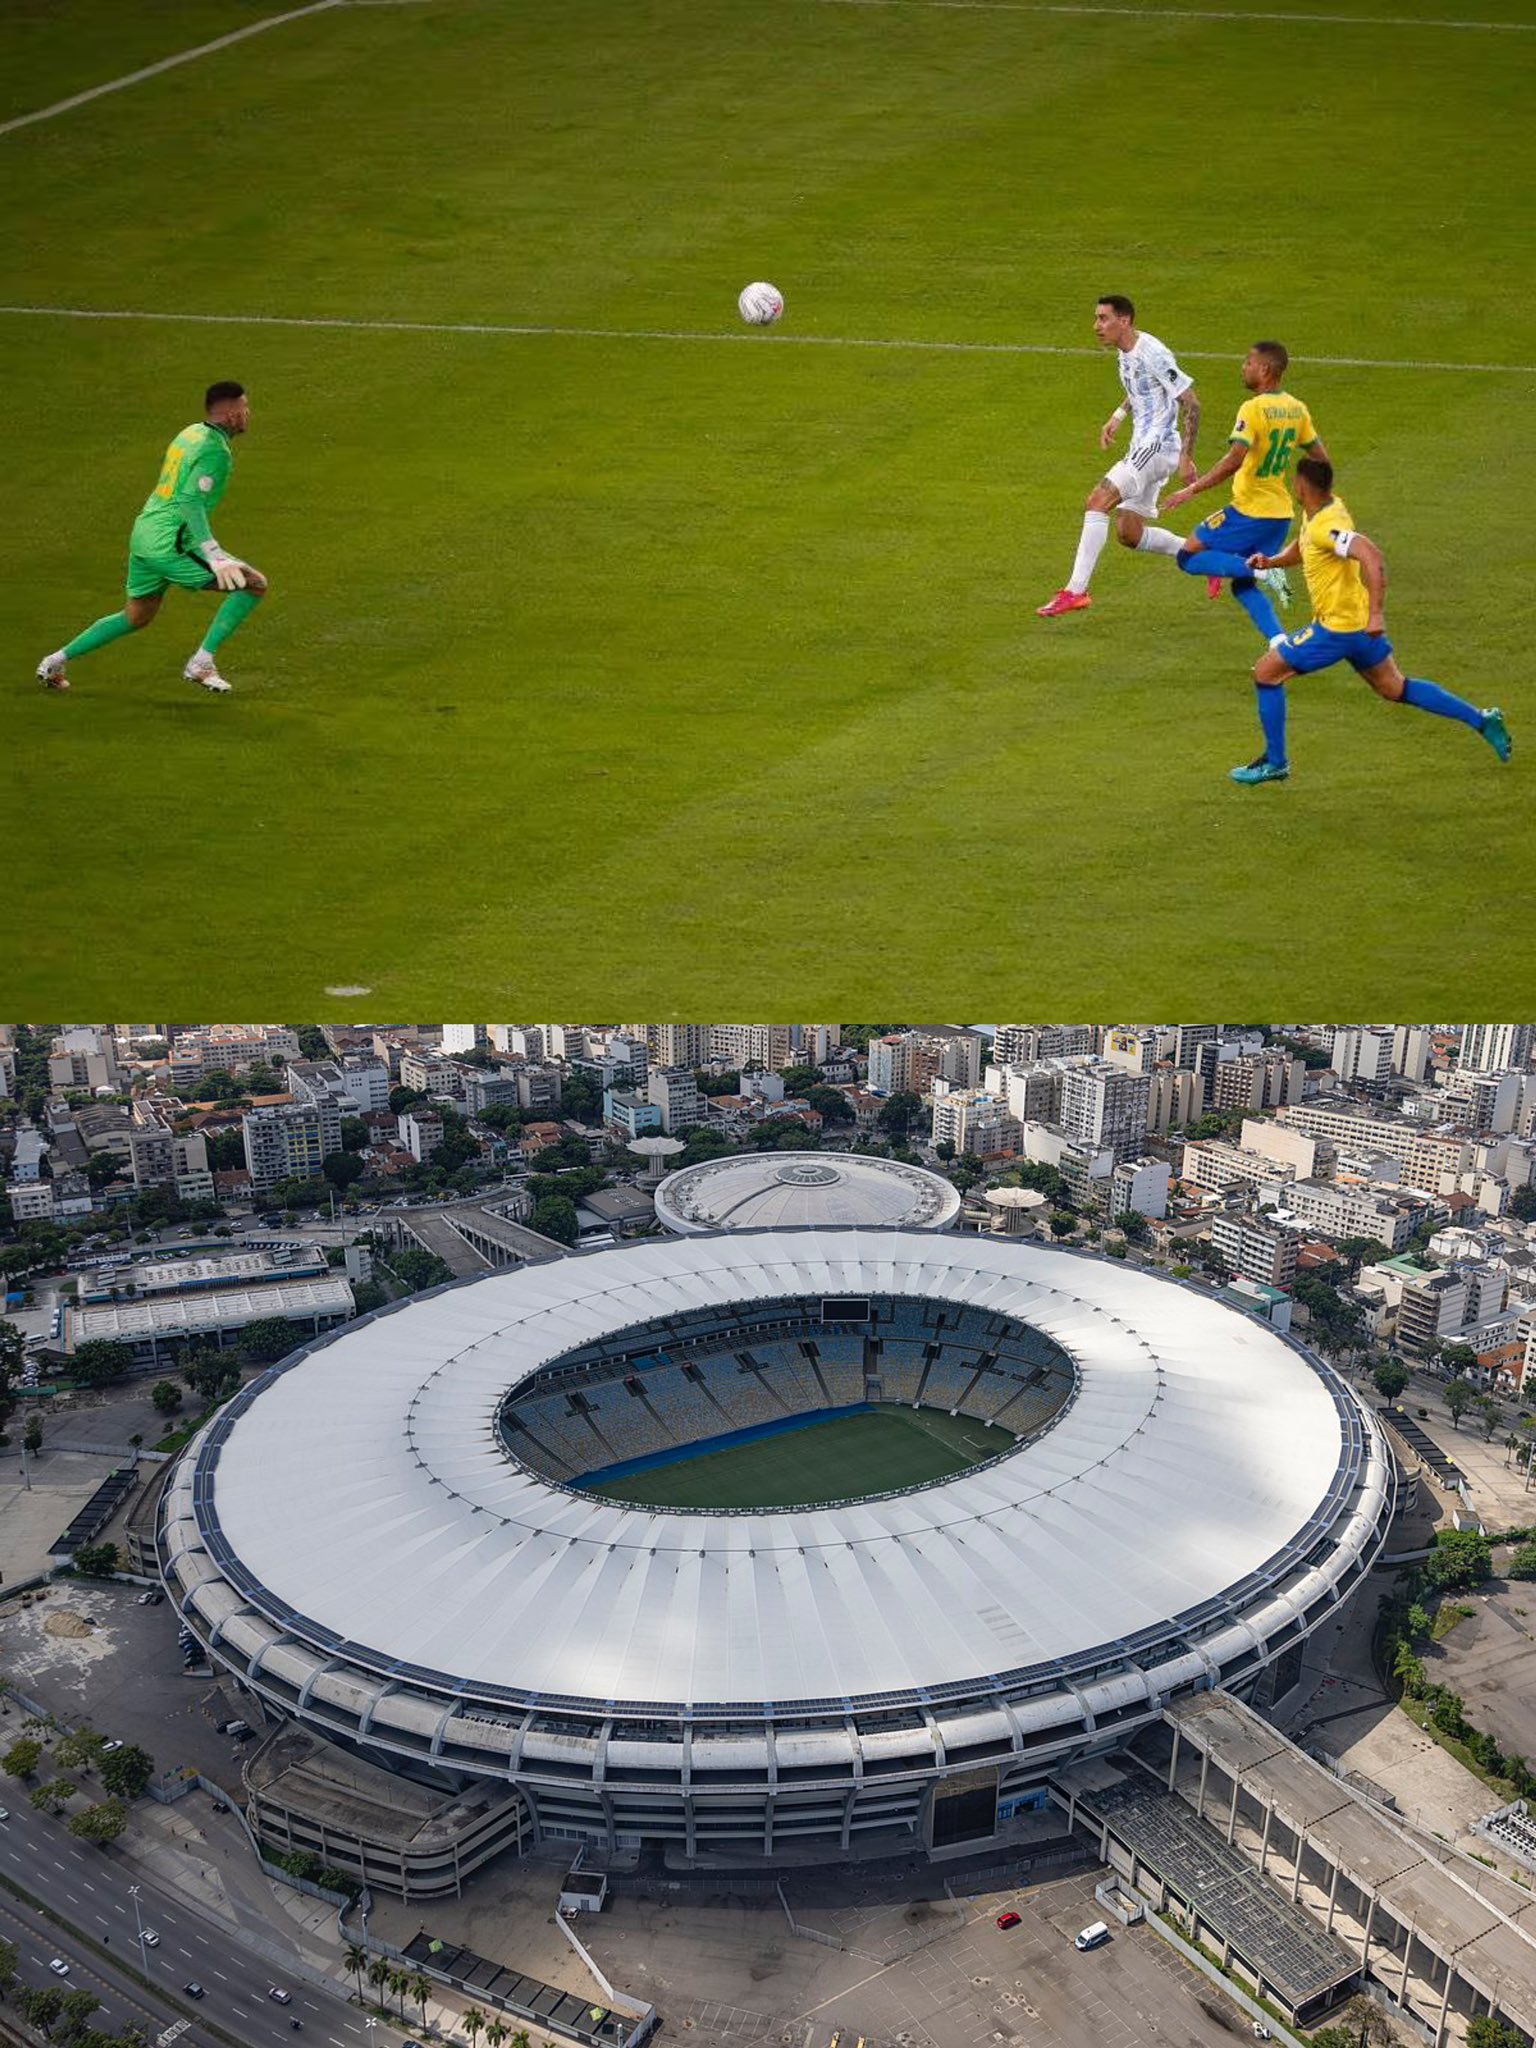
(1084, 7)
(96, 92)
(752, 339)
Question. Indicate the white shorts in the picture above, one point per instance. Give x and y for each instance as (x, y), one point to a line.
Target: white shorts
(1139, 477)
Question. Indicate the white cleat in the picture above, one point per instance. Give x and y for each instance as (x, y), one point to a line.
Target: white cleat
(50, 672)
(203, 669)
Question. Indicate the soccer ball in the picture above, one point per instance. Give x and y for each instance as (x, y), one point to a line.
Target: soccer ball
(760, 305)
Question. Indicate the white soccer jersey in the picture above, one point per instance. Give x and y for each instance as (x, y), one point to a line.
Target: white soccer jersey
(1153, 382)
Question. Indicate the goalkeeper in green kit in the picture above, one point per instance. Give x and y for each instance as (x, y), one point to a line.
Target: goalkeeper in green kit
(172, 542)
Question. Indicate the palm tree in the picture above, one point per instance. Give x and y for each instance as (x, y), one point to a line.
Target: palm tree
(356, 1960)
(473, 2021)
(378, 1973)
(400, 1983)
(497, 2033)
(421, 1989)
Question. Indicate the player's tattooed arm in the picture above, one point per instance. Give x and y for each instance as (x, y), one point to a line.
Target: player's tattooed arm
(1189, 414)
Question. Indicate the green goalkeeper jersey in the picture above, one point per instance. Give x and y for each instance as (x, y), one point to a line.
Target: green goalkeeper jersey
(175, 518)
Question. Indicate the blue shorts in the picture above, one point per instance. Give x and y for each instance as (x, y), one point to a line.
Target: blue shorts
(1237, 533)
(1316, 647)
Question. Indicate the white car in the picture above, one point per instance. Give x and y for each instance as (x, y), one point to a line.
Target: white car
(5, 1813)
(59, 1967)
(151, 1939)
(282, 1997)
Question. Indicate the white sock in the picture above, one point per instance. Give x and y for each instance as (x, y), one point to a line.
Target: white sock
(1089, 549)
(1157, 540)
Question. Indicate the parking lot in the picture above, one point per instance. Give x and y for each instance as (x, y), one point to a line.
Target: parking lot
(736, 1973)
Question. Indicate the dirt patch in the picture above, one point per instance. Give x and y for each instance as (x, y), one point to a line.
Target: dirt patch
(63, 1621)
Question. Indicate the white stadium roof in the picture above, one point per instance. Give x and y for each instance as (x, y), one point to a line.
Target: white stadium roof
(360, 1497)
(793, 1190)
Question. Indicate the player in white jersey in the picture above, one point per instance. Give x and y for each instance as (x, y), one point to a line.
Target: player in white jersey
(1165, 417)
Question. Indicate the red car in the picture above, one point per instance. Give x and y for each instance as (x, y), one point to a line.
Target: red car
(1007, 1919)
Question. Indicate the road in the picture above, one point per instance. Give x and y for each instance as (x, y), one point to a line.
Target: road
(89, 1888)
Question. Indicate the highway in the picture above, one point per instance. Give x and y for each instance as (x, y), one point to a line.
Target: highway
(88, 1888)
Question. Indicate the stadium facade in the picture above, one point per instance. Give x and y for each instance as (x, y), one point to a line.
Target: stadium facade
(386, 1538)
(802, 1190)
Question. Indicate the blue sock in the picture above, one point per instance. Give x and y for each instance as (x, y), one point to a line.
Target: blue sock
(1272, 718)
(1256, 604)
(1212, 562)
(1430, 697)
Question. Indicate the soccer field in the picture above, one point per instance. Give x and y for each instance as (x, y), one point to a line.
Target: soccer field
(877, 1452)
(606, 633)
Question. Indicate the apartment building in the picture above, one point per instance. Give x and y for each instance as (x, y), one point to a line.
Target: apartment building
(1361, 1054)
(290, 1142)
(675, 1093)
(1495, 1048)
(1422, 1156)
(974, 1121)
(1213, 1166)
(229, 1048)
(1256, 1248)
(1103, 1106)
(1340, 1209)
(752, 1045)
(678, 1045)
(84, 1056)
(1140, 1184)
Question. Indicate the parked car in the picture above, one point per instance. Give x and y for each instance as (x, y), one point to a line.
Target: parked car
(1007, 1919)
(150, 1599)
(116, 1743)
(1093, 1936)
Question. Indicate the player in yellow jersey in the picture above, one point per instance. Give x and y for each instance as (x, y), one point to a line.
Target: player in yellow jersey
(172, 542)
(1272, 428)
(1347, 582)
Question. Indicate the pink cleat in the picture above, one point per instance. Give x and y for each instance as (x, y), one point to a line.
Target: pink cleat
(1213, 586)
(1064, 601)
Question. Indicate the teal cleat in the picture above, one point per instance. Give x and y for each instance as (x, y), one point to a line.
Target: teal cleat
(1278, 584)
(1496, 732)
(1262, 770)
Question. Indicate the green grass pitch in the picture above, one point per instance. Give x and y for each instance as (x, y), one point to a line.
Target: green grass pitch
(656, 664)
(887, 1448)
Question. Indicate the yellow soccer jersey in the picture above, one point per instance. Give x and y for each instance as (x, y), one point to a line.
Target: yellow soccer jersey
(1334, 582)
(1272, 427)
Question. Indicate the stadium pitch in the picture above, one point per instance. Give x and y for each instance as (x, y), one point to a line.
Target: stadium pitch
(842, 1459)
(603, 629)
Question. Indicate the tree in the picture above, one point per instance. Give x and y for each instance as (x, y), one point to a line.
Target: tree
(1458, 1358)
(1522, 1565)
(79, 1750)
(354, 1134)
(1461, 1557)
(52, 1797)
(209, 1372)
(32, 1435)
(1134, 1224)
(1062, 1224)
(77, 2009)
(945, 1149)
(9, 1958)
(415, 1268)
(226, 1150)
(22, 1758)
(101, 1823)
(342, 1168)
(498, 2033)
(1458, 1399)
(555, 1217)
(378, 1973)
(96, 1560)
(41, 2007)
(1390, 1378)
(1487, 2032)
(421, 1991)
(127, 1771)
(1522, 1205)
(99, 1360)
(1489, 1414)
(356, 1960)
(1363, 1251)
(268, 1340)
(473, 2022)
(368, 1295)
(165, 1396)
(897, 1111)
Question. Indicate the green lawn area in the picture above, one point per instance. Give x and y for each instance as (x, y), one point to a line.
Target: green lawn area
(592, 649)
(876, 1452)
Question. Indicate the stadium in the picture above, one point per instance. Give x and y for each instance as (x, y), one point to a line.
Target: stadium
(565, 1532)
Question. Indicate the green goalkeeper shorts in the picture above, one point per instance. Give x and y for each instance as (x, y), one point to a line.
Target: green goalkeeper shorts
(152, 571)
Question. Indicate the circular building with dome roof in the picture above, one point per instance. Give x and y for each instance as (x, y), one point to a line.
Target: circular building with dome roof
(762, 1542)
(800, 1190)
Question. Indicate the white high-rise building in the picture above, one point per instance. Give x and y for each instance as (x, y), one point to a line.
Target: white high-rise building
(1412, 1046)
(465, 1037)
(1495, 1048)
(1102, 1106)
(1361, 1052)
(675, 1093)
(290, 1142)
